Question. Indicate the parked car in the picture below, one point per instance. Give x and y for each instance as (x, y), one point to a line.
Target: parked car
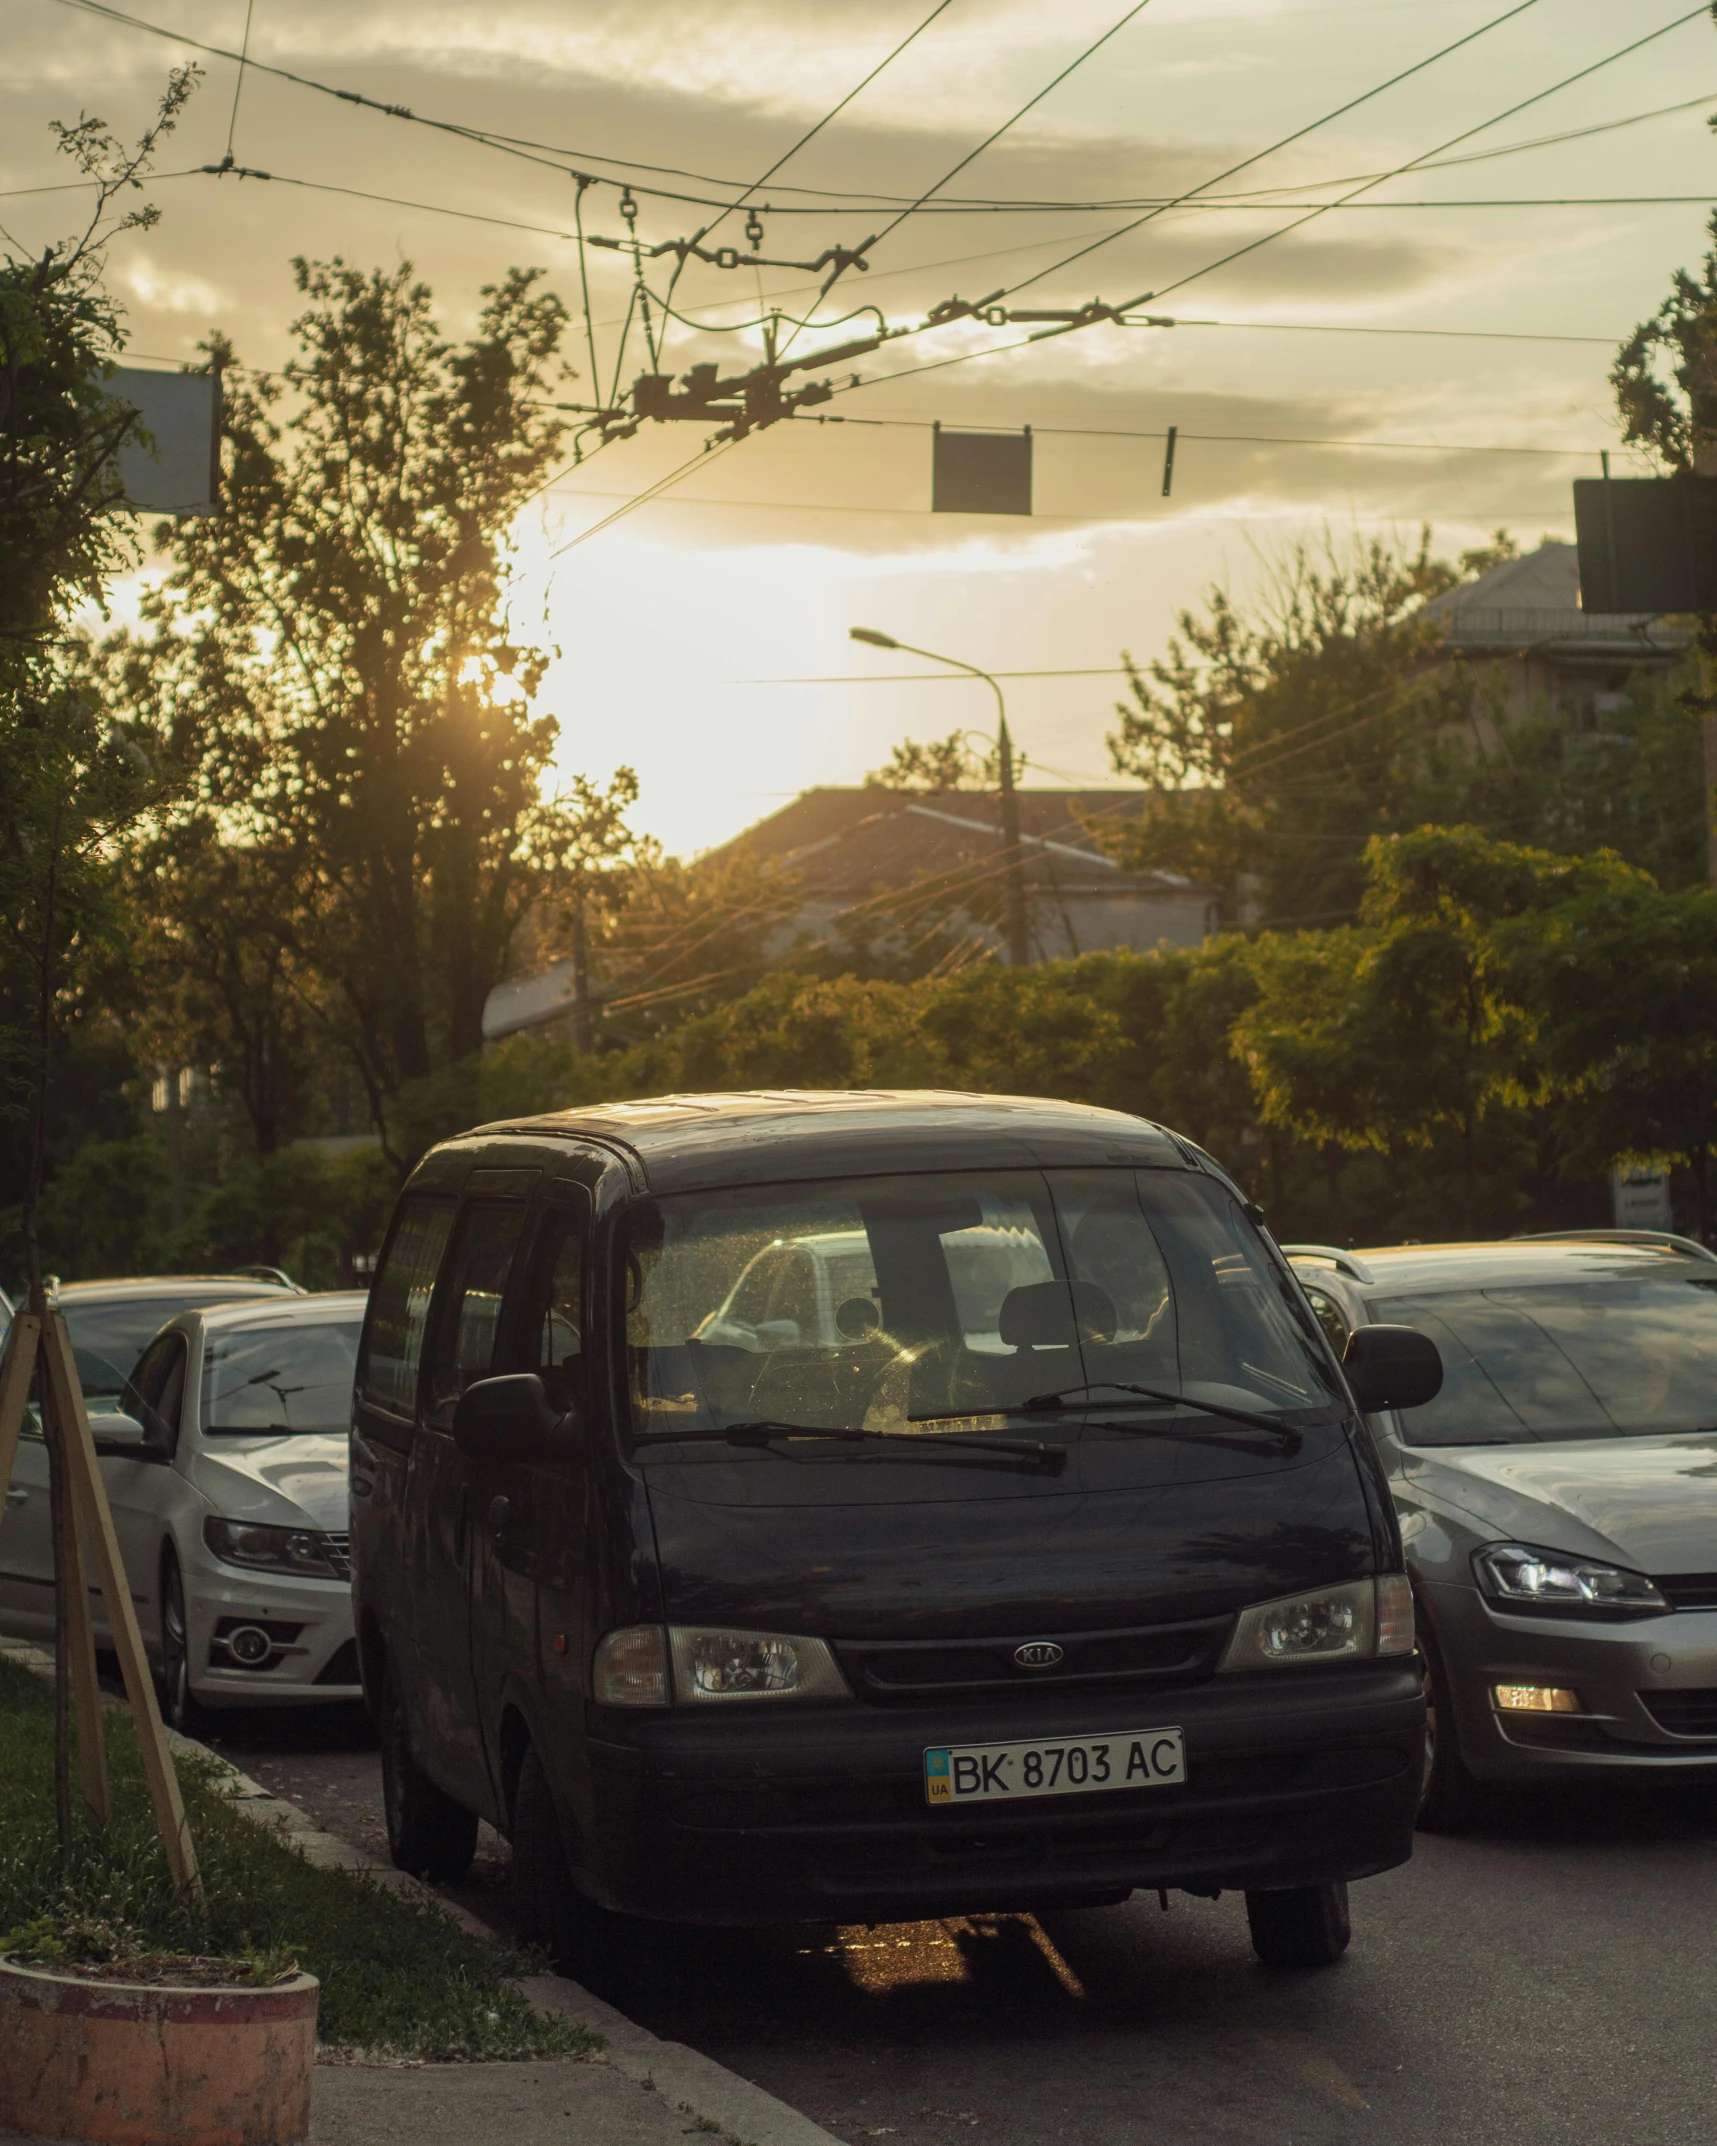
(1558, 1500)
(912, 1613)
(225, 1466)
(110, 1321)
(822, 1288)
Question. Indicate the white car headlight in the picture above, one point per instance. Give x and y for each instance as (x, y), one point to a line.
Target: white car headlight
(1354, 1620)
(1516, 1577)
(709, 1664)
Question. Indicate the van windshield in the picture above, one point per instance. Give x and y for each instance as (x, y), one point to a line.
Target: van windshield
(877, 1303)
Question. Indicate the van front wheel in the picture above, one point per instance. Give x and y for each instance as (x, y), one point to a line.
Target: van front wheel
(428, 1833)
(1303, 1926)
(549, 1909)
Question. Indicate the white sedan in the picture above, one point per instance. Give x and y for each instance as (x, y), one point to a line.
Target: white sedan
(226, 1468)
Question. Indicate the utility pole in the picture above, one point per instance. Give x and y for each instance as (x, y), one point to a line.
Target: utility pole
(1019, 939)
(583, 1029)
(1705, 465)
(1017, 913)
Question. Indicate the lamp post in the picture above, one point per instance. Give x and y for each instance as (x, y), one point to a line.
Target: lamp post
(1018, 934)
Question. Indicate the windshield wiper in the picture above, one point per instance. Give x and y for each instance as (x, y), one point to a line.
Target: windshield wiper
(765, 1430)
(1048, 1403)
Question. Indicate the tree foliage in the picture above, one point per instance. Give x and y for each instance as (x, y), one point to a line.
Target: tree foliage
(963, 760)
(72, 778)
(341, 649)
(1665, 374)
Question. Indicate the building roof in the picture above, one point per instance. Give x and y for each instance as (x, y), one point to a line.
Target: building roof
(848, 840)
(1533, 604)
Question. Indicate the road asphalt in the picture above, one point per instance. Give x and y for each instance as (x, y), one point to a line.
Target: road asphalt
(1546, 1976)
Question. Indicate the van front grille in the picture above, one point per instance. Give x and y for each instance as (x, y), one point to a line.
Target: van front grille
(904, 1672)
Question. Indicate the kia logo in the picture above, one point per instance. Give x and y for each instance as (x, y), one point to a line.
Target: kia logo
(1038, 1654)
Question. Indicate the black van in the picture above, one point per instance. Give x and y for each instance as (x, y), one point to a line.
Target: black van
(859, 1507)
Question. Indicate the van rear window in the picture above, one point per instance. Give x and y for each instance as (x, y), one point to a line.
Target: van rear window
(878, 1302)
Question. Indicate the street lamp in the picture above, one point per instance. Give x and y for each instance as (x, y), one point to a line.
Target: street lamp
(1019, 946)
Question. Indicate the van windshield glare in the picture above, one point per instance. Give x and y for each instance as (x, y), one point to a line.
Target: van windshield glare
(880, 1302)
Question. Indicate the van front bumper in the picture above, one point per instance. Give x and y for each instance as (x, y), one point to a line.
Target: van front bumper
(752, 1813)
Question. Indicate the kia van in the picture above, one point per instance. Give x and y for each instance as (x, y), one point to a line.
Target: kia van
(1015, 1543)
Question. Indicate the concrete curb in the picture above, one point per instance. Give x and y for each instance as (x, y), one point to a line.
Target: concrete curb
(743, 2114)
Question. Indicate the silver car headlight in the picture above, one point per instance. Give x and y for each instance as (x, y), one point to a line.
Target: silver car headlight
(1516, 1576)
(308, 1552)
(1354, 1620)
(691, 1665)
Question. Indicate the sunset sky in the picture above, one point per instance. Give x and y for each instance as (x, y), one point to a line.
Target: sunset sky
(751, 570)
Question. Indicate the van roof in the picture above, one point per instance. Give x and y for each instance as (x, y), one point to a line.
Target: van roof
(680, 1142)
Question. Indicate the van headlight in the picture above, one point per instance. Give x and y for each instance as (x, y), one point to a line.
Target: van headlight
(1355, 1620)
(710, 1663)
(1515, 1577)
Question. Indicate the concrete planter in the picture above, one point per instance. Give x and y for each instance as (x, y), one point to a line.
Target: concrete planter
(133, 2064)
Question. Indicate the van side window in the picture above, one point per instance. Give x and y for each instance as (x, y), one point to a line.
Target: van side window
(553, 1330)
(468, 1325)
(399, 1306)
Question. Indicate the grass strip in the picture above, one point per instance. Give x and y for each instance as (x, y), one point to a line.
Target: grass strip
(398, 1977)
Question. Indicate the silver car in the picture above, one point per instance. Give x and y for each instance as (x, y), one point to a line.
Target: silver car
(1558, 1500)
(225, 1465)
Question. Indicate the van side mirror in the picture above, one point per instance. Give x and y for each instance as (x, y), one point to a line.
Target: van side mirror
(1392, 1367)
(509, 1418)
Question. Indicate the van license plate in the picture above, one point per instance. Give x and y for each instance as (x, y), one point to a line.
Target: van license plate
(1002, 1773)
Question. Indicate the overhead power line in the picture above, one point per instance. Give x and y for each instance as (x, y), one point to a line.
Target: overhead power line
(819, 201)
(1089, 316)
(1287, 140)
(1014, 118)
(1523, 104)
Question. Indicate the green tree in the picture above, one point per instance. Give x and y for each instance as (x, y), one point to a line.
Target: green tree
(341, 645)
(963, 760)
(1275, 742)
(1409, 1030)
(72, 778)
(1620, 980)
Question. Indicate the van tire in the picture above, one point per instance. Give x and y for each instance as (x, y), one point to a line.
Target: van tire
(1451, 1796)
(429, 1834)
(548, 1908)
(1303, 1926)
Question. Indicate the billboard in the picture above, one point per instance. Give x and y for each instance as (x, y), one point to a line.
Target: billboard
(1647, 543)
(980, 472)
(179, 470)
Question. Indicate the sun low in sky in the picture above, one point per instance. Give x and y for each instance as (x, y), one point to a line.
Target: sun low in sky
(1405, 314)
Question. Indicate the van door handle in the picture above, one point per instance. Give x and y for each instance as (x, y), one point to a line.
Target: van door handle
(17, 1497)
(500, 1512)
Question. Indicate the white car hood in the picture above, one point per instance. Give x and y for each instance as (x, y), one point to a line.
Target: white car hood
(1647, 1502)
(280, 1482)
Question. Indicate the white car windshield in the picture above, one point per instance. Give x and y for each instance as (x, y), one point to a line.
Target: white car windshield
(884, 1303)
(1606, 1358)
(284, 1378)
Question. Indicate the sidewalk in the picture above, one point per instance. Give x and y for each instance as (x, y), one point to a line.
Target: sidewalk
(636, 2091)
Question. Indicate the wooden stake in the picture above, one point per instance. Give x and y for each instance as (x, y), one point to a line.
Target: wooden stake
(16, 1368)
(86, 1685)
(90, 1503)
